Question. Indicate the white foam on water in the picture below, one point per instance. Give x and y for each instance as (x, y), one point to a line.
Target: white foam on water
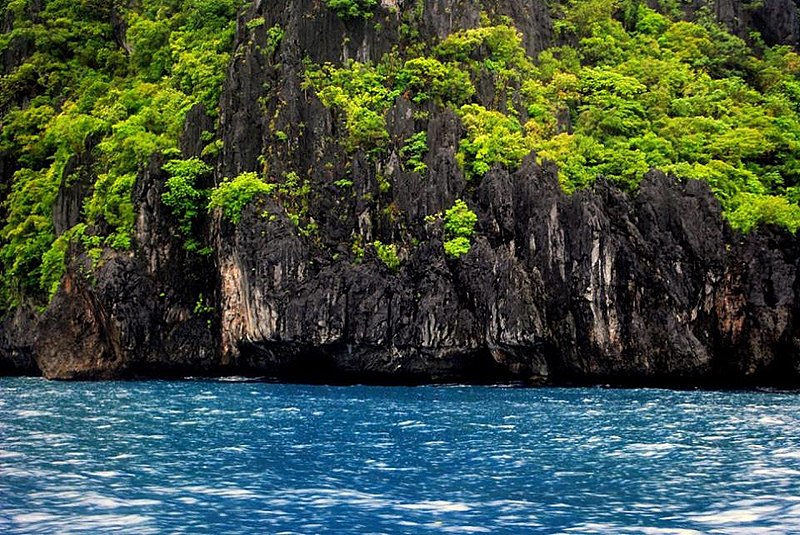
(96, 500)
(787, 453)
(224, 492)
(27, 413)
(669, 531)
(234, 379)
(465, 529)
(33, 518)
(105, 473)
(776, 472)
(68, 462)
(770, 420)
(95, 523)
(436, 506)
(187, 422)
(735, 516)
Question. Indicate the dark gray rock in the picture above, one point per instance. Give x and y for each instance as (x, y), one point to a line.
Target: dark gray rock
(596, 287)
(17, 332)
(77, 183)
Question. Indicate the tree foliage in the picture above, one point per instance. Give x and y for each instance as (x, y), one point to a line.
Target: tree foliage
(493, 138)
(232, 195)
(115, 93)
(459, 226)
(636, 89)
(183, 197)
(387, 253)
(629, 89)
(353, 9)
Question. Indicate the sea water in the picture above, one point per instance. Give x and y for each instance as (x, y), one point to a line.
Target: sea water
(242, 457)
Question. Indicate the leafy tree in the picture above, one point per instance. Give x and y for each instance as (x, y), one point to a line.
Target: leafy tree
(353, 9)
(80, 85)
(183, 197)
(492, 138)
(428, 78)
(755, 210)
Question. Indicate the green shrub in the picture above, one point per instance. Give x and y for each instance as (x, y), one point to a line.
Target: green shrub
(232, 195)
(457, 246)
(181, 194)
(255, 23)
(274, 37)
(753, 210)
(353, 9)
(428, 78)
(28, 231)
(413, 152)
(459, 226)
(492, 138)
(54, 261)
(387, 253)
(501, 43)
(363, 92)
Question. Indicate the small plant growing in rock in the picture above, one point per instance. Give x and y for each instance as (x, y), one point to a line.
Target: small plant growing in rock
(387, 252)
(232, 195)
(255, 23)
(203, 305)
(353, 9)
(181, 194)
(459, 226)
(414, 151)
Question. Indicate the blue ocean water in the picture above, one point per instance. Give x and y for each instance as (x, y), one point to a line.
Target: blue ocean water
(240, 457)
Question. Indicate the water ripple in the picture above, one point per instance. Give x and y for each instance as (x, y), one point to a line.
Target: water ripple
(234, 456)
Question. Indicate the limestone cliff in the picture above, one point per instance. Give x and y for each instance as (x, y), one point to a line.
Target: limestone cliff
(600, 286)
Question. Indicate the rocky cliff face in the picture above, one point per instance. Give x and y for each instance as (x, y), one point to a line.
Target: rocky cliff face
(776, 20)
(599, 286)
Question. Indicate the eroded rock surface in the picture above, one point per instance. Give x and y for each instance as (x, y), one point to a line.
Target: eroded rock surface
(597, 287)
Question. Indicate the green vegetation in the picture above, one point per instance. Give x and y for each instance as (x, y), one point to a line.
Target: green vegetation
(387, 253)
(492, 138)
(108, 84)
(255, 23)
(688, 98)
(232, 195)
(361, 92)
(202, 305)
(274, 37)
(295, 196)
(637, 90)
(459, 226)
(54, 261)
(413, 152)
(353, 9)
(89, 88)
(425, 79)
(182, 196)
(498, 45)
(753, 210)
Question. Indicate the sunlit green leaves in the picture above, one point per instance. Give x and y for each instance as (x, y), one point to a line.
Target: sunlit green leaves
(492, 138)
(127, 94)
(459, 226)
(232, 195)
